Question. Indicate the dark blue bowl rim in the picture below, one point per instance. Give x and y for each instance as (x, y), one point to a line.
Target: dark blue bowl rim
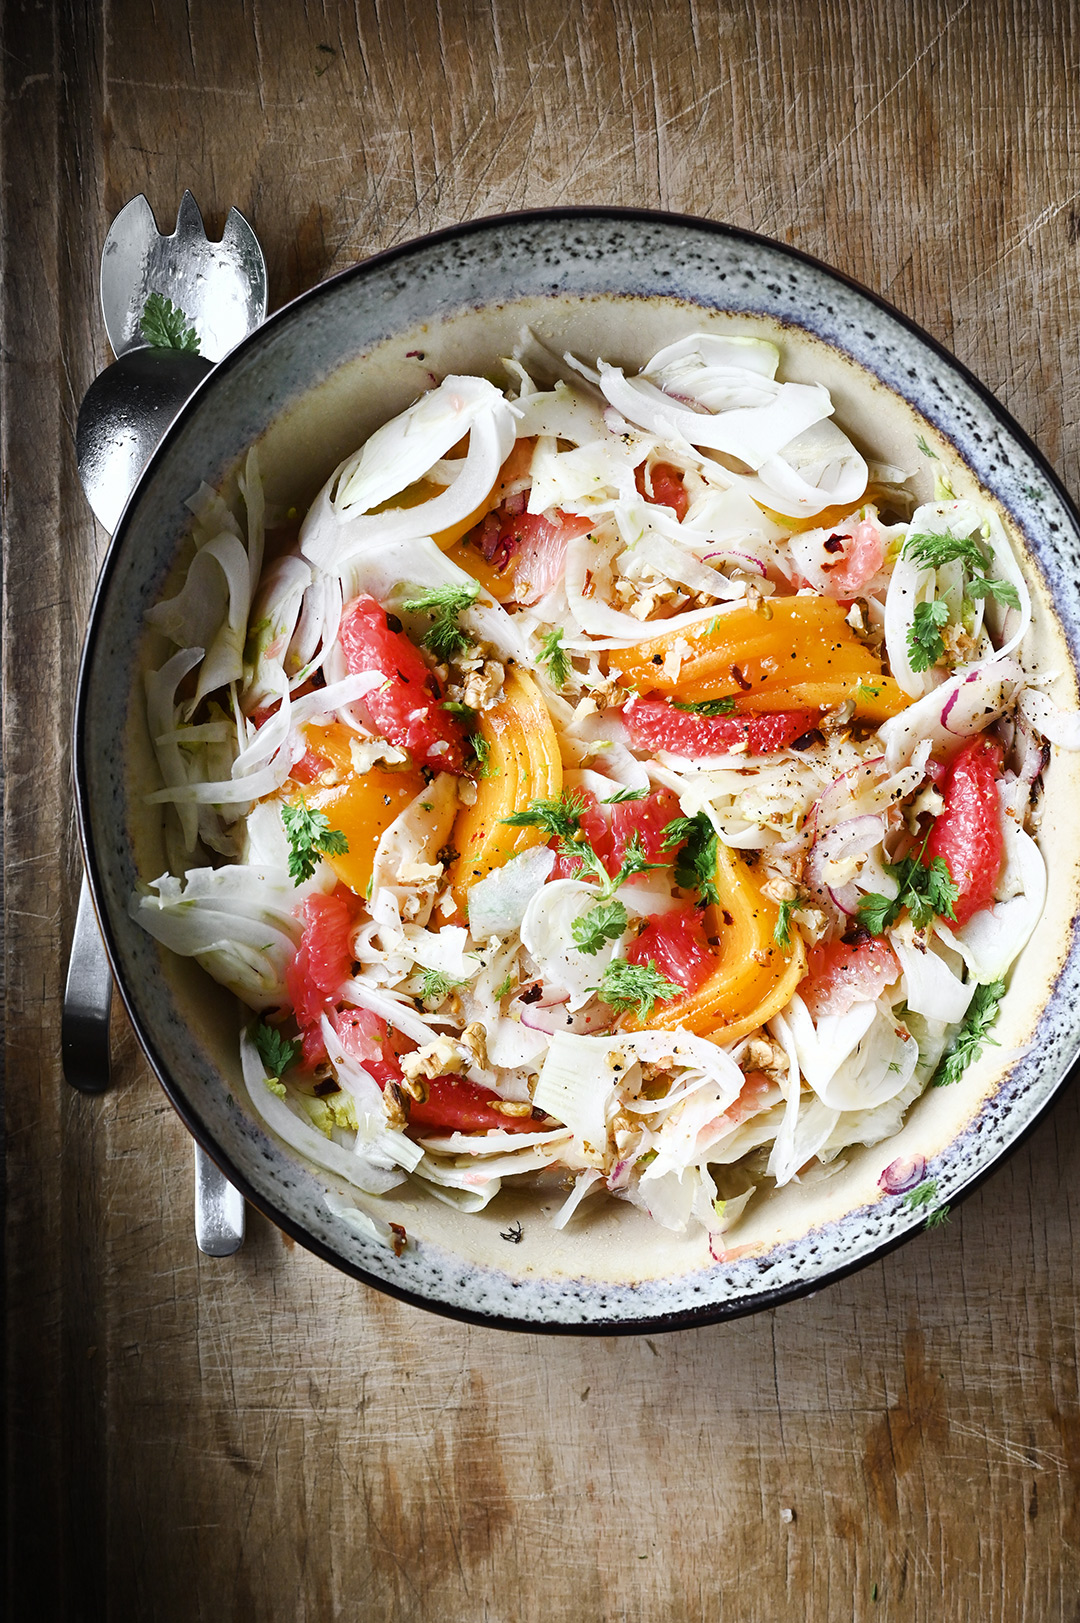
(692, 1318)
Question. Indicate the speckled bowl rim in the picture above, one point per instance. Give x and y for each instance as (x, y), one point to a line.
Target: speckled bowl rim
(710, 1312)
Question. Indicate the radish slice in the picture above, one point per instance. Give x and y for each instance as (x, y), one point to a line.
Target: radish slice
(971, 701)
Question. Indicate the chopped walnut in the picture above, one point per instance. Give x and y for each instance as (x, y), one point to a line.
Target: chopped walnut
(836, 721)
(513, 1107)
(364, 754)
(394, 1107)
(643, 606)
(474, 1038)
(959, 647)
(780, 890)
(604, 690)
(812, 924)
(484, 687)
(763, 1054)
(434, 1059)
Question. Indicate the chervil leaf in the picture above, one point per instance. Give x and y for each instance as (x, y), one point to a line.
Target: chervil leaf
(968, 1043)
(707, 707)
(924, 641)
(635, 986)
(1003, 590)
(445, 637)
(926, 890)
(310, 836)
(504, 987)
(876, 912)
(279, 1054)
(561, 817)
(165, 326)
(604, 922)
(937, 1217)
(695, 863)
(924, 448)
(555, 659)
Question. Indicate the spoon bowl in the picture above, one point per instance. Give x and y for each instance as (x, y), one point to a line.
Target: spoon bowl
(123, 416)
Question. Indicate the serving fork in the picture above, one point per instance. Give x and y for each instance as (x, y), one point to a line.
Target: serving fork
(221, 289)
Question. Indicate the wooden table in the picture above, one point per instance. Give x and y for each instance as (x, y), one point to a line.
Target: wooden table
(261, 1438)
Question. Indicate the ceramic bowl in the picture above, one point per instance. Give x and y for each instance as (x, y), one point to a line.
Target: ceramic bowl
(309, 386)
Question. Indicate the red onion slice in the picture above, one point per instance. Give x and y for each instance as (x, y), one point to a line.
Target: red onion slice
(743, 557)
(900, 1176)
(552, 1017)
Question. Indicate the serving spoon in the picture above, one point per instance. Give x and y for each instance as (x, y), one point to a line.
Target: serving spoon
(221, 288)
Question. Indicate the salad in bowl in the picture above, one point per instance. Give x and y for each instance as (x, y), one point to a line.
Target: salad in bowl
(614, 784)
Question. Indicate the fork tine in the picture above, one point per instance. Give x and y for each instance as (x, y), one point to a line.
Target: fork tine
(189, 220)
(242, 243)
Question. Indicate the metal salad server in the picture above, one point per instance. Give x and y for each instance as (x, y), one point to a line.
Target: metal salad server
(221, 288)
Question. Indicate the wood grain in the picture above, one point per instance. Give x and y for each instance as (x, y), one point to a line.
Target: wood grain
(259, 1438)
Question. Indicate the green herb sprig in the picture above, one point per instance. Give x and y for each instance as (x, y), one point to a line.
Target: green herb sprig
(165, 326)
(435, 986)
(639, 987)
(782, 928)
(623, 795)
(482, 750)
(560, 817)
(706, 707)
(695, 863)
(924, 1195)
(973, 1035)
(279, 1054)
(444, 637)
(929, 551)
(925, 891)
(554, 658)
(310, 837)
(604, 922)
(925, 644)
